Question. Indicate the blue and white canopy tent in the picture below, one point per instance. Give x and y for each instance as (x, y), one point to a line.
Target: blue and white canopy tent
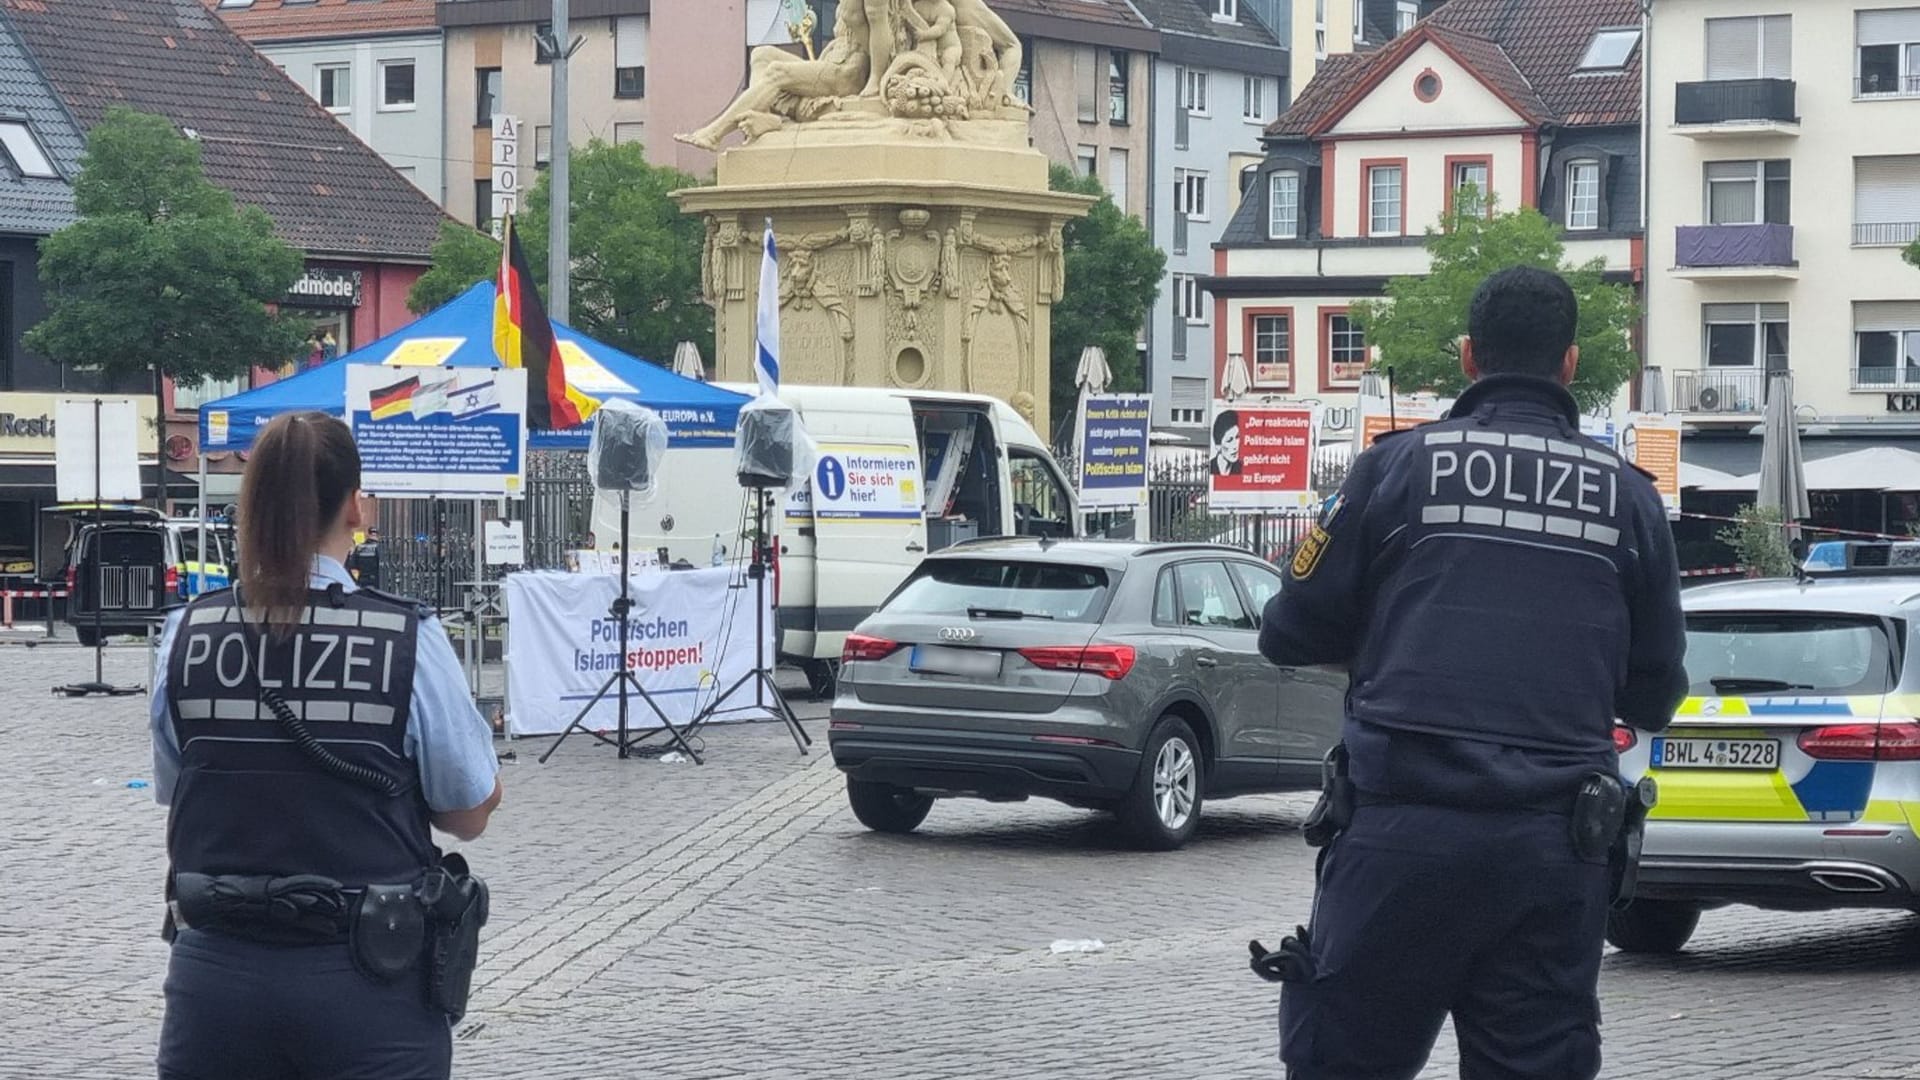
(460, 334)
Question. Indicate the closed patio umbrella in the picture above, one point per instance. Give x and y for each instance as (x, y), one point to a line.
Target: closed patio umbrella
(1783, 477)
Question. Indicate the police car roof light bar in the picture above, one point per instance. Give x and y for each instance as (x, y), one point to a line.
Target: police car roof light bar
(1862, 558)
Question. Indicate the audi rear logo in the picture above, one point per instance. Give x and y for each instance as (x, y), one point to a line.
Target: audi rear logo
(958, 633)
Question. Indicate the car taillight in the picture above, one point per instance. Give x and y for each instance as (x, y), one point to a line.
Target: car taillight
(173, 579)
(1107, 661)
(73, 579)
(1624, 738)
(866, 647)
(1897, 741)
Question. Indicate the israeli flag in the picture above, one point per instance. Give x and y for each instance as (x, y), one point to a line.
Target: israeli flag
(766, 364)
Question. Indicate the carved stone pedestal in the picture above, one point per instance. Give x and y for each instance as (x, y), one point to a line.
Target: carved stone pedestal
(913, 262)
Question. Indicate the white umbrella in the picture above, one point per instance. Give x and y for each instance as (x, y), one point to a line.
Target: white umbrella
(1878, 468)
(1701, 478)
(1093, 376)
(687, 362)
(1783, 479)
(1653, 391)
(1236, 381)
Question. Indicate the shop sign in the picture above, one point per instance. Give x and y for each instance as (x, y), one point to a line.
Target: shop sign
(324, 287)
(1903, 403)
(27, 425)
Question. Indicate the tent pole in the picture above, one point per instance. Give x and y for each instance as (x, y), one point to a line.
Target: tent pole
(201, 523)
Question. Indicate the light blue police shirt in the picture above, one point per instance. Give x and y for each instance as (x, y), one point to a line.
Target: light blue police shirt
(446, 735)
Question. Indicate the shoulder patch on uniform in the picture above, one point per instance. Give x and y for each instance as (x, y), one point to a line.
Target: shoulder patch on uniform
(1330, 510)
(1307, 558)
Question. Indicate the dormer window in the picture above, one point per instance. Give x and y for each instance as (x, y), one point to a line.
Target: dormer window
(1226, 10)
(25, 151)
(1610, 50)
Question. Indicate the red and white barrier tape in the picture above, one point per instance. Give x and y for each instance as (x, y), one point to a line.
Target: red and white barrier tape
(34, 594)
(1712, 571)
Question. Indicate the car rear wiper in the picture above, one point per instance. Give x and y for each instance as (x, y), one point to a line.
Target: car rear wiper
(1738, 683)
(1004, 613)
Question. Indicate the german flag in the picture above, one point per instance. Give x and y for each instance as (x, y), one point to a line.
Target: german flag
(523, 337)
(391, 401)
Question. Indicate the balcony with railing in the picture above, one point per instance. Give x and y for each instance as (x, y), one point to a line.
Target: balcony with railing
(1722, 391)
(1886, 85)
(1734, 252)
(1735, 107)
(1885, 233)
(1888, 377)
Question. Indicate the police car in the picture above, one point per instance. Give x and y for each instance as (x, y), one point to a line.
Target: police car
(1790, 778)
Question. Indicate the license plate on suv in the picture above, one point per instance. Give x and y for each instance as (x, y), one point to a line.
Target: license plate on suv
(1758, 754)
(941, 660)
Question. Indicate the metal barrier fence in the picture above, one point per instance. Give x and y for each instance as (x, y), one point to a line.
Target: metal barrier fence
(1177, 512)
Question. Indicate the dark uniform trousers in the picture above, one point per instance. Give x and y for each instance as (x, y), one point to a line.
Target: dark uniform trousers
(1424, 911)
(246, 1010)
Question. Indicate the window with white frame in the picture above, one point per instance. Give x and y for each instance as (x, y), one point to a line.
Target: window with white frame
(1471, 184)
(1088, 159)
(630, 33)
(1744, 335)
(1886, 343)
(1320, 43)
(1273, 351)
(1283, 206)
(1887, 52)
(1190, 194)
(1195, 93)
(1610, 49)
(1886, 201)
(1086, 82)
(1386, 184)
(1583, 194)
(1189, 299)
(1119, 87)
(1253, 99)
(1749, 192)
(24, 151)
(1189, 404)
(1750, 47)
(334, 87)
(1226, 10)
(396, 85)
(1346, 349)
(1405, 14)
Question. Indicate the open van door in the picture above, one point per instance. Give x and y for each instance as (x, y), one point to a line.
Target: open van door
(869, 519)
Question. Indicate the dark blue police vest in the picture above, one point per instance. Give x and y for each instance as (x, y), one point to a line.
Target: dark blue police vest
(248, 801)
(1501, 612)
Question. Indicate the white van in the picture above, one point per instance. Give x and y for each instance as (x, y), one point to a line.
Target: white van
(899, 473)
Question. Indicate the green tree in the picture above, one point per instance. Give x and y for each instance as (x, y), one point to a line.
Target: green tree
(636, 272)
(1912, 254)
(162, 274)
(1418, 325)
(1113, 278)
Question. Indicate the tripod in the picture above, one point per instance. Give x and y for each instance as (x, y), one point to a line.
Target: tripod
(622, 681)
(100, 685)
(762, 674)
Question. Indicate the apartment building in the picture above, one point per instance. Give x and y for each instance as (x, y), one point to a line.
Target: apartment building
(1318, 29)
(376, 65)
(641, 71)
(1784, 171)
(1220, 78)
(1086, 70)
(1534, 101)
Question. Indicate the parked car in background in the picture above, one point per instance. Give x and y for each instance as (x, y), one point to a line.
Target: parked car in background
(1110, 675)
(128, 565)
(1790, 778)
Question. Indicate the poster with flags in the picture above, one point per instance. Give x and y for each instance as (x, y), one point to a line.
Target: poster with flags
(448, 431)
(523, 338)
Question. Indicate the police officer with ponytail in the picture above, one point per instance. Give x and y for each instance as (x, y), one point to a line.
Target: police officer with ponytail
(1502, 591)
(309, 735)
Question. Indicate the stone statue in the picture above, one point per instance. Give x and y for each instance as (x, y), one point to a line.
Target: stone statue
(925, 65)
(996, 293)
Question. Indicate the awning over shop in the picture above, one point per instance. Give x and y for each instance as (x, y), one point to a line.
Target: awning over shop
(460, 334)
(1700, 478)
(1890, 463)
(35, 480)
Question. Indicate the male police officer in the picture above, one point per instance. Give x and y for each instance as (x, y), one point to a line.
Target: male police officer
(1501, 589)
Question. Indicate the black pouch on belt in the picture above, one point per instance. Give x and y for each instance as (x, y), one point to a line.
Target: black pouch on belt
(456, 905)
(1599, 812)
(1334, 812)
(389, 932)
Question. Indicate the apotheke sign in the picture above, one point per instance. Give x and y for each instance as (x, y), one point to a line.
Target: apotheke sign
(320, 287)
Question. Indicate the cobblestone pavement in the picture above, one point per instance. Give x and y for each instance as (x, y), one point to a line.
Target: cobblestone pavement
(732, 920)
